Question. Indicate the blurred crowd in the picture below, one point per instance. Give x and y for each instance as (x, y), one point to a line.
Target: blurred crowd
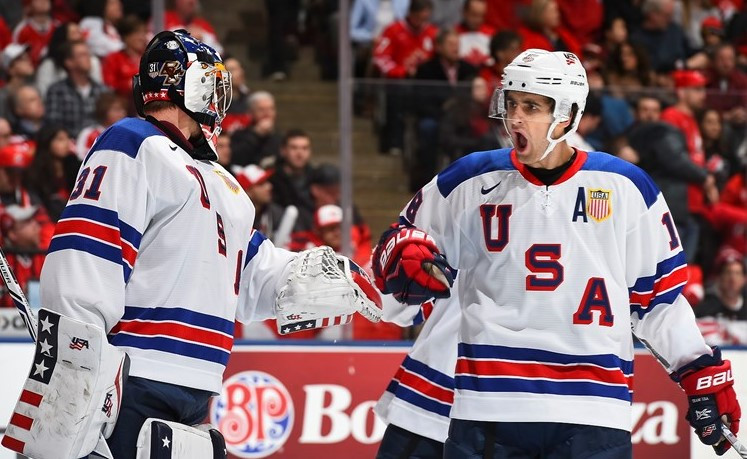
(669, 93)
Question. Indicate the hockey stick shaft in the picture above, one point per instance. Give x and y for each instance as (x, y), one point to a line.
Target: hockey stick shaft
(727, 433)
(16, 293)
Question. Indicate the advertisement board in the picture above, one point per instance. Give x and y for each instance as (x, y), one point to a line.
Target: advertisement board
(302, 400)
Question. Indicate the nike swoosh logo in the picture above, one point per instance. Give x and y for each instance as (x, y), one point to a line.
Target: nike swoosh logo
(484, 191)
(173, 147)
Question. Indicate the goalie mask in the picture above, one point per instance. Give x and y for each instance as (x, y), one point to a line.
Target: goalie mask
(176, 67)
(556, 75)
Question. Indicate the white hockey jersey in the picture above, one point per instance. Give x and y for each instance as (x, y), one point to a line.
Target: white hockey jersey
(419, 396)
(157, 248)
(551, 279)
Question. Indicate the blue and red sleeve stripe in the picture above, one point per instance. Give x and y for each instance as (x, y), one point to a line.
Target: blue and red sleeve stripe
(662, 287)
(98, 232)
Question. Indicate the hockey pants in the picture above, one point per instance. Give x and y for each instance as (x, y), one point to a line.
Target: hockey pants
(534, 440)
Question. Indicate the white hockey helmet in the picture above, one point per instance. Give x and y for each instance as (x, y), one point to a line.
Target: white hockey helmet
(558, 75)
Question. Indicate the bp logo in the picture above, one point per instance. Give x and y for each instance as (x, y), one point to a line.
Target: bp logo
(254, 413)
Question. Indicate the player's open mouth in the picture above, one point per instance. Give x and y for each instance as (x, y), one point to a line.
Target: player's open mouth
(520, 142)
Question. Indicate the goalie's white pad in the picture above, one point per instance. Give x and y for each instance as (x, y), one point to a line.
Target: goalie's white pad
(324, 289)
(159, 439)
(73, 393)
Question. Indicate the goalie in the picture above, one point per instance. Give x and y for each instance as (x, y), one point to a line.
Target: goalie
(152, 261)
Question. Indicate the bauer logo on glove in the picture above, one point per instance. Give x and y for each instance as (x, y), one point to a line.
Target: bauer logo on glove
(408, 264)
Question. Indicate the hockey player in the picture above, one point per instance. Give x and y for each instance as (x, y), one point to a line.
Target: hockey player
(560, 253)
(156, 250)
(417, 402)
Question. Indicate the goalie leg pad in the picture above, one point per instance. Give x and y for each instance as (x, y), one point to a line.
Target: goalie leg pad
(159, 439)
(73, 392)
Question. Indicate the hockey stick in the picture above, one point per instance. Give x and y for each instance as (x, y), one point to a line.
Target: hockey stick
(737, 445)
(19, 299)
(16, 293)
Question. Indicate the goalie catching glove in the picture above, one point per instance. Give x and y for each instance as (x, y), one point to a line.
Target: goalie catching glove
(323, 289)
(708, 383)
(407, 264)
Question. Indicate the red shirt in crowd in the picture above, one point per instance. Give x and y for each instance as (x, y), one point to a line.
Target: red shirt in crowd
(401, 48)
(582, 19)
(29, 32)
(689, 127)
(534, 39)
(730, 214)
(118, 69)
(474, 45)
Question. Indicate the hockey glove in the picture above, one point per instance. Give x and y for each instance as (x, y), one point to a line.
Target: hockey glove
(708, 383)
(324, 289)
(407, 264)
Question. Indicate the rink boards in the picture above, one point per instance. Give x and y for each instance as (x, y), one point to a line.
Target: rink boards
(305, 400)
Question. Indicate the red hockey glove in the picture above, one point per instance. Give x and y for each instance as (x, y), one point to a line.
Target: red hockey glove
(407, 264)
(708, 382)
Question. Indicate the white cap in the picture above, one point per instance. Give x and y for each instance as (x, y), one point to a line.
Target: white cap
(12, 52)
(251, 175)
(328, 215)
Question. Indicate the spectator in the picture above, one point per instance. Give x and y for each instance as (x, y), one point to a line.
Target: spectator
(628, 71)
(444, 73)
(464, 126)
(70, 102)
(52, 67)
(368, 18)
(504, 47)
(110, 108)
(474, 34)
(52, 172)
(259, 142)
(27, 111)
(324, 187)
(290, 182)
(731, 221)
(616, 114)
(185, 14)
(397, 53)
(711, 34)
(628, 10)
(583, 19)
(662, 152)
(237, 116)
(120, 66)
(724, 303)
(18, 69)
(543, 29)
(36, 27)
(736, 33)
(720, 159)
(282, 27)
(22, 244)
(690, 14)
(256, 183)
(615, 34)
(506, 14)
(223, 149)
(664, 39)
(14, 159)
(6, 37)
(98, 24)
(589, 122)
(727, 86)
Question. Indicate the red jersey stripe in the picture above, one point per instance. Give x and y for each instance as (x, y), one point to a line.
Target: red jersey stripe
(541, 370)
(176, 330)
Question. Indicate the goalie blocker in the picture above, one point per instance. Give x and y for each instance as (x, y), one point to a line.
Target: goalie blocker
(72, 394)
(324, 289)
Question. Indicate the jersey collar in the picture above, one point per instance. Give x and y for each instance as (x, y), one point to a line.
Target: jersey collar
(527, 174)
